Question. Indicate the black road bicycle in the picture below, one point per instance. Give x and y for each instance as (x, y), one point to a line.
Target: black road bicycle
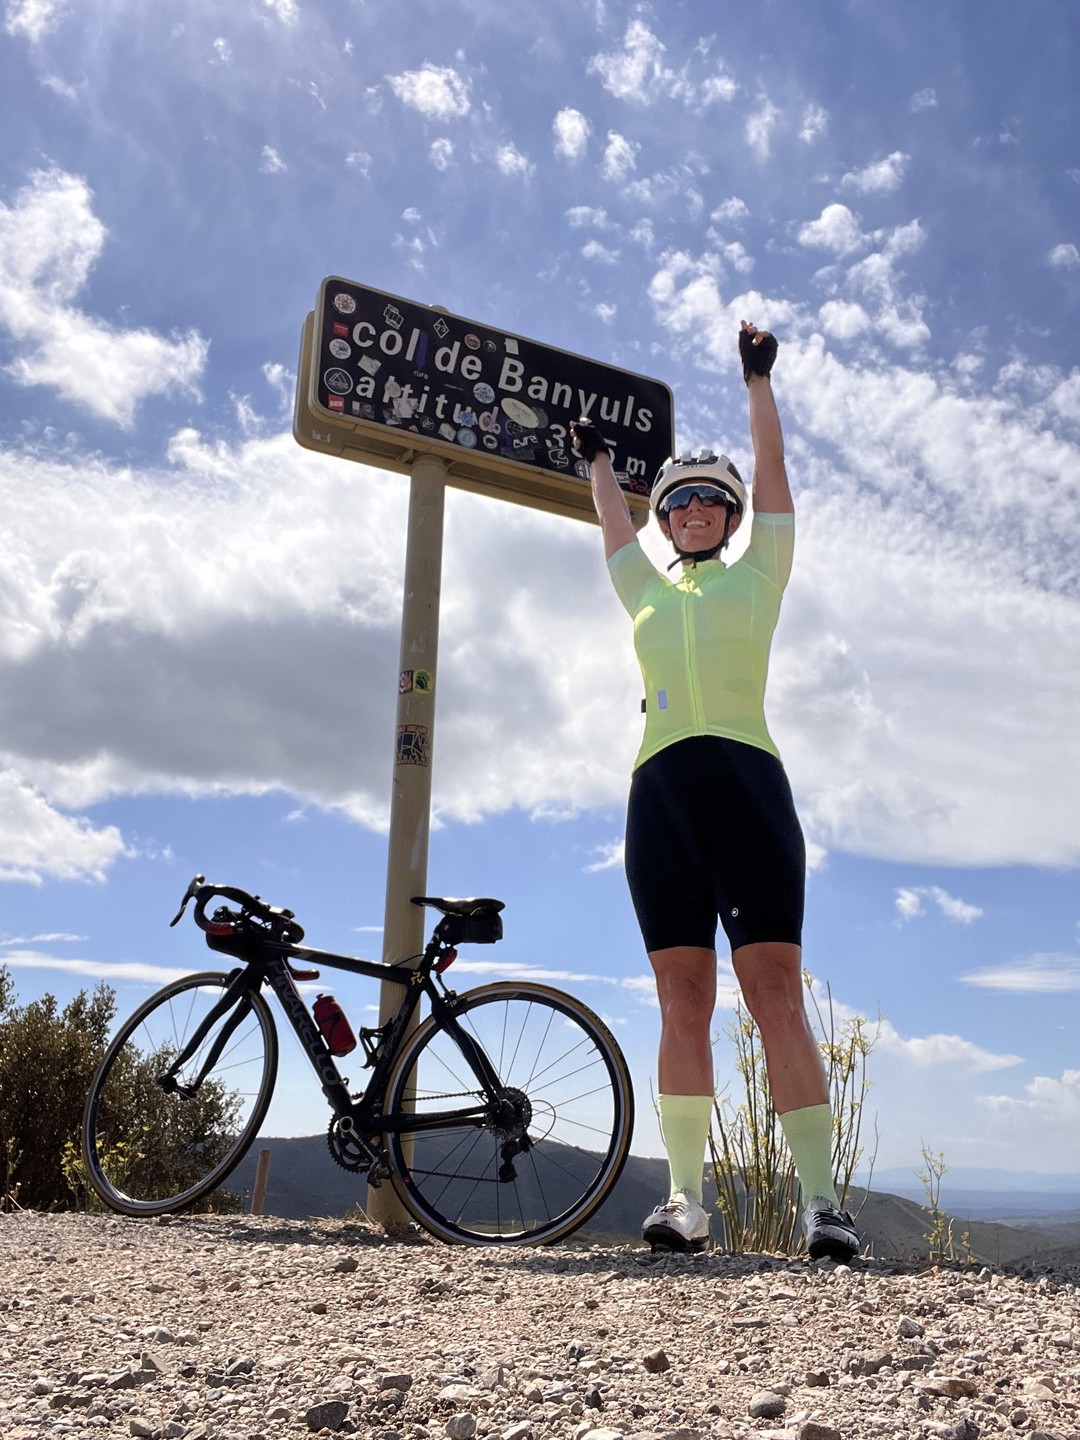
(503, 1118)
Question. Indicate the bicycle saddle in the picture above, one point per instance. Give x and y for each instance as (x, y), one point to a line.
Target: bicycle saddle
(464, 908)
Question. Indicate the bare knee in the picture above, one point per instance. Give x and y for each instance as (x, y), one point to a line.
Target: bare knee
(685, 987)
(770, 977)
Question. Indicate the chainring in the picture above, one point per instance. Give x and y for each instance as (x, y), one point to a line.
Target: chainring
(347, 1149)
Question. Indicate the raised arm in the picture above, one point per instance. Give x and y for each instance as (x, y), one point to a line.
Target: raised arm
(771, 493)
(611, 507)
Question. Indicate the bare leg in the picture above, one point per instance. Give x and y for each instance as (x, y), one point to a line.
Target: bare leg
(686, 989)
(770, 976)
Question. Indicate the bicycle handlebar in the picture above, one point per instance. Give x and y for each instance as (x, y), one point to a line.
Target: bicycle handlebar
(281, 923)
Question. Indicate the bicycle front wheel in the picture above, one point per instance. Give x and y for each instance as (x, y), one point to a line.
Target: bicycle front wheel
(158, 1137)
(547, 1150)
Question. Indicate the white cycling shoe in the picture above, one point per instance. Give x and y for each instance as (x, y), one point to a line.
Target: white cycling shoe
(829, 1232)
(680, 1223)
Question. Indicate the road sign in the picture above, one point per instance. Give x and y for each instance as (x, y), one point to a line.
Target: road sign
(382, 379)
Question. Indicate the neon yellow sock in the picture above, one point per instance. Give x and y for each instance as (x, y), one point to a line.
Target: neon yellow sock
(684, 1124)
(809, 1134)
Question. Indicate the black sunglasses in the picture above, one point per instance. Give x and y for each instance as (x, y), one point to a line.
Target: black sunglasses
(708, 495)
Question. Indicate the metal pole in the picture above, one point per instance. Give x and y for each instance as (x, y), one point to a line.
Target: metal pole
(410, 800)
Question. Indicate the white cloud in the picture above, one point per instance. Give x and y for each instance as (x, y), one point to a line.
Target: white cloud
(843, 320)
(643, 234)
(620, 157)
(608, 857)
(738, 257)
(510, 161)
(1065, 397)
(718, 88)
(1064, 257)
(282, 382)
(815, 123)
(1036, 1121)
(1033, 975)
(222, 52)
(593, 250)
(875, 279)
(732, 209)
(32, 18)
(287, 11)
(936, 1052)
(360, 160)
(572, 131)
(835, 229)
(116, 972)
(760, 128)
(578, 217)
(441, 153)
(59, 87)
(606, 312)
(437, 91)
(50, 240)
(55, 937)
(636, 72)
(977, 1127)
(924, 100)
(909, 904)
(880, 178)
(38, 842)
(271, 162)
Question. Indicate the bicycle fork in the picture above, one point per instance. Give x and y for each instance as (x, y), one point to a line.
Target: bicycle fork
(241, 1009)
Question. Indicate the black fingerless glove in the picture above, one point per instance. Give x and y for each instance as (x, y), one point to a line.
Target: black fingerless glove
(756, 359)
(588, 441)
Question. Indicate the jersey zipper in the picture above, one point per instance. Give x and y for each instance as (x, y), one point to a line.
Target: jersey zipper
(697, 709)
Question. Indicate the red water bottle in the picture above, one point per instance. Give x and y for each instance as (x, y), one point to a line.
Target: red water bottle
(336, 1030)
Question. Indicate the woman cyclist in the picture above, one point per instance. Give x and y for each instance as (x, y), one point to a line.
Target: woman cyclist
(711, 828)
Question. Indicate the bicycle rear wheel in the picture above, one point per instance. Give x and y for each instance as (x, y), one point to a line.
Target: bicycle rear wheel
(546, 1154)
(150, 1146)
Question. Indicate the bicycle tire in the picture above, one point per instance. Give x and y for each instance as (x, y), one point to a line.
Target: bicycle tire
(550, 1049)
(148, 1152)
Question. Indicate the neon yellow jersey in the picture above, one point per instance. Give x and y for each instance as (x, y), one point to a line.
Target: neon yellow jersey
(703, 640)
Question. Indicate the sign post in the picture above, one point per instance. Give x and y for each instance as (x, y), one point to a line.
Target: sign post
(410, 797)
(446, 400)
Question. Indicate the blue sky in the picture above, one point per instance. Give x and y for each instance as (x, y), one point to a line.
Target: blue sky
(199, 619)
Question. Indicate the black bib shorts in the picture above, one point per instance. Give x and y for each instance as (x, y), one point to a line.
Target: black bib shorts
(711, 831)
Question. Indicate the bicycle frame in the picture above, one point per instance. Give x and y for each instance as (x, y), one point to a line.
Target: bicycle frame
(268, 963)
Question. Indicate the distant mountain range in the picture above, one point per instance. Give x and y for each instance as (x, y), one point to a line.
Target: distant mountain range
(304, 1181)
(1013, 1197)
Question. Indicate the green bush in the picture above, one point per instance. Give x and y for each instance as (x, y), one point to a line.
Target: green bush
(47, 1059)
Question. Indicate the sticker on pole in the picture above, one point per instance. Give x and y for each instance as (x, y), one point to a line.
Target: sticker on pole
(420, 682)
(413, 745)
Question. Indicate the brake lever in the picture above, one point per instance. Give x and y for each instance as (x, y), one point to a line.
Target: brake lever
(192, 891)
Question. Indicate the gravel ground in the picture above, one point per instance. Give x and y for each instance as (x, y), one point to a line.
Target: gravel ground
(231, 1329)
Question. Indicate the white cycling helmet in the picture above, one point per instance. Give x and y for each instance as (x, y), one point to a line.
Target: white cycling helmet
(715, 471)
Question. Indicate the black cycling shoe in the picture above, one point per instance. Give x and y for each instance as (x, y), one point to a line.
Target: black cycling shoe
(830, 1232)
